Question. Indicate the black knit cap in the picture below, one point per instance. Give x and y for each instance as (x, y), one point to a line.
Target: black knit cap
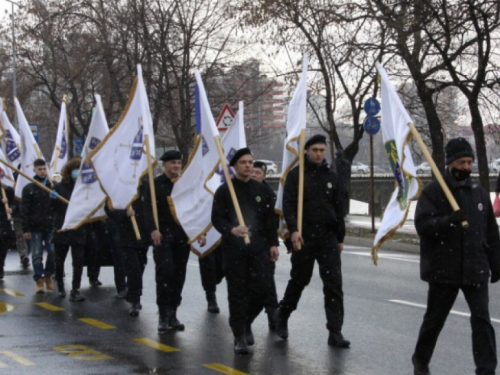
(238, 154)
(318, 138)
(458, 148)
(260, 165)
(171, 155)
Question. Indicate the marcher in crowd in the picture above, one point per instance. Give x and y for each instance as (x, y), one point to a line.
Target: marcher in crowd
(37, 224)
(259, 173)
(246, 267)
(455, 256)
(171, 248)
(63, 240)
(7, 235)
(321, 240)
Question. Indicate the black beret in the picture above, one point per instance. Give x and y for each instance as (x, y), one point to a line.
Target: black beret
(171, 155)
(318, 138)
(238, 154)
(260, 165)
(458, 148)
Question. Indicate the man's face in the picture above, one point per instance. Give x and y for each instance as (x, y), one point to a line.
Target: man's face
(258, 174)
(244, 166)
(172, 168)
(464, 164)
(316, 153)
(41, 171)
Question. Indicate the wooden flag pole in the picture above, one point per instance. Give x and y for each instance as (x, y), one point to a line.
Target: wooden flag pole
(222, 159)
(151, 182)
(300, 204)
(134, 224)
(6, 204)
(436, 171)
(37, 183)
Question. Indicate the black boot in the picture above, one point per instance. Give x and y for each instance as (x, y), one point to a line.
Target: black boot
(173, 322)
(270, 318)
(163, 319)
(336, 339)
(419, 368)
(75, 296)
(281, 324)
(61, 290)
(249, 335)
(212, 303)
(240, 343)
(135, 309)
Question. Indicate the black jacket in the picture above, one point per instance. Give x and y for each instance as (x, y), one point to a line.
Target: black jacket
(123, 223)
(36, 214)
(322, 209)
(6, 231)
(257, 209)
(59, 208)
(448, 252)
(170, 230)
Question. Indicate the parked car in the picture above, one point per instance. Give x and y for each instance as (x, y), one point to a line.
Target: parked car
(495, 166)
(272, 167)
(357, 167)
(423, 168)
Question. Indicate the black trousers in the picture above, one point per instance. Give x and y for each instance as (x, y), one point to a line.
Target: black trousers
(3, 253)
(77, 255)
(325, 251)
(171, 262)
(211, 270)
(440, 300)
(271, 302)
(248, 278)
(135, 262)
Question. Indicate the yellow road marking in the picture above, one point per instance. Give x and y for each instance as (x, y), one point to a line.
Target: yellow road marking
(81, 352)
(3, 365)
(156, 345)
(48, 306)
(224, 369)
(5, 307)
(11, 292)
(96, 323)
(17, 358)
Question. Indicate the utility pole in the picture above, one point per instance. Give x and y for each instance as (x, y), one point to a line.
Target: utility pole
(14, 54)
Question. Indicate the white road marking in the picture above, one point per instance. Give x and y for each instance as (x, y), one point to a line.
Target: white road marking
(401, 257)
(413, 304)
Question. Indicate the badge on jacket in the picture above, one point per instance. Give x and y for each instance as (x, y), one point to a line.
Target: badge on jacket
(258, 198)
(329, 185)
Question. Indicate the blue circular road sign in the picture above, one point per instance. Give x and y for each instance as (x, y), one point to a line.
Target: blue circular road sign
(372, 107)
(372, 125)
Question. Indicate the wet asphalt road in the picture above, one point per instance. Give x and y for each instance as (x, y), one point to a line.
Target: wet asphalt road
(44, 334)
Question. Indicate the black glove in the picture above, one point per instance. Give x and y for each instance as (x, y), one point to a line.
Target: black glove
(458, 217)
(495, 276)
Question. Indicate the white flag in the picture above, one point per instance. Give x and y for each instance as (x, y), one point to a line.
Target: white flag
(6, 175)
(120, 160)
(396, 135)
(296, 121)
(87, 200)
(60, 154)
(233, 140)
(10, 144)
(192, 194)
(30, 151)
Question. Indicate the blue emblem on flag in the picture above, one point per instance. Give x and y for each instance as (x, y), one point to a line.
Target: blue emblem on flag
(64, 143)
(204, 146)
(12, 151)
(136, 152)
(88, 175)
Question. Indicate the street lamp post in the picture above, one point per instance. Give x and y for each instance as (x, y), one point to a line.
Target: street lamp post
(14, 56)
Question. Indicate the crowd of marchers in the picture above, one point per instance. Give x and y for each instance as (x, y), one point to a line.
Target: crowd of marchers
(460, 250)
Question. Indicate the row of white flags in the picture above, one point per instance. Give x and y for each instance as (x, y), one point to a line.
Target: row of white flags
(114, 162)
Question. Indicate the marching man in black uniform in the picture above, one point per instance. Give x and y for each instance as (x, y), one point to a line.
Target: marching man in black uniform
(321, 240)
(171, 248)
(246, 267)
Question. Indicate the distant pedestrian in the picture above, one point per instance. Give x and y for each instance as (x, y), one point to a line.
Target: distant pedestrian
(454, 258)
(37, 224)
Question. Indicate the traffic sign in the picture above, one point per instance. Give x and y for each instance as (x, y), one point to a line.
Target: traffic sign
(372, 106)
(34, 130)
(225, 118)
(78, 145)
(372, 125)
